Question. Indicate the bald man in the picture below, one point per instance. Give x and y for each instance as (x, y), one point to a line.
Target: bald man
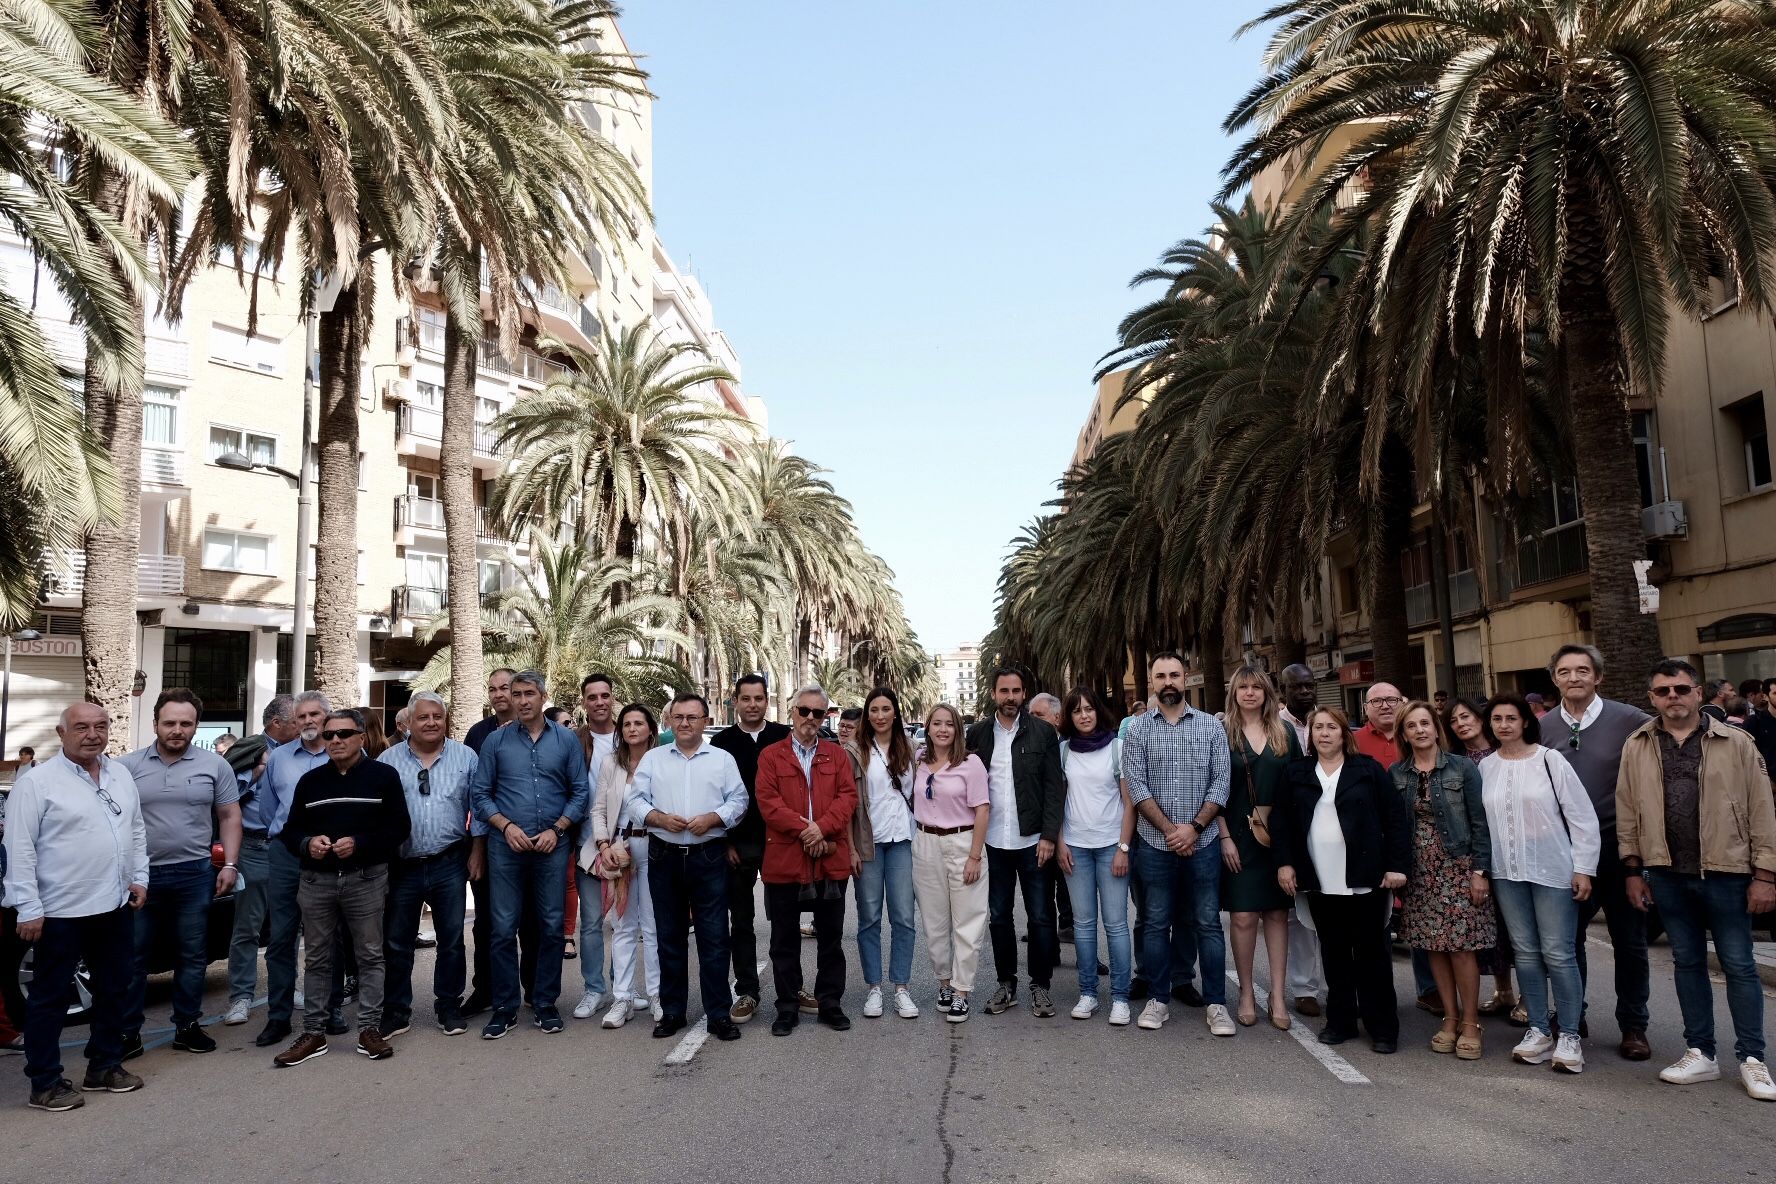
(1381, 710)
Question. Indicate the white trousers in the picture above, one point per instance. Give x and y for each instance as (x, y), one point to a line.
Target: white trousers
(635, 927)
(954, 914)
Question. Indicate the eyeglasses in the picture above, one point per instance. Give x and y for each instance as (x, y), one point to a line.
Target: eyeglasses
(341, 733)
(929, 778)
(110, 803)
(425, 783)
(1679, 690)
(1387, 701)
(809, 712)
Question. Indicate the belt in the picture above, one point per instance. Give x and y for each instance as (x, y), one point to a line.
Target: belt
(633, 832)
(944, 830)
(251, 833)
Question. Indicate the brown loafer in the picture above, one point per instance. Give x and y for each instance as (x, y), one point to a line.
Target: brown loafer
(807, 1003)
(1432, 1003)
(1634, 1046)
(1307, 1005)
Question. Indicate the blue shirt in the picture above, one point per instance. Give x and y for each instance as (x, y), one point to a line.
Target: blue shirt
(1180, 766)
(806, 756)
(673, 783)
(439, 814)
(277, 788)
(533, 783)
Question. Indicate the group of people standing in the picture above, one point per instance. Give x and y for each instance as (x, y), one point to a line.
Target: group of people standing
(1484, 827)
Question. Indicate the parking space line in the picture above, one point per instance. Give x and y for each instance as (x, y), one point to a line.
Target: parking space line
(1336, 1065)
(698, 1036)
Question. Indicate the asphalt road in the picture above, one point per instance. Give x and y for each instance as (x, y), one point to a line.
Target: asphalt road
(1000, 1098)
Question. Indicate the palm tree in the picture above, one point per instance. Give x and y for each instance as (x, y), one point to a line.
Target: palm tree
(844, 687)
(728, 590)
(1575, 170)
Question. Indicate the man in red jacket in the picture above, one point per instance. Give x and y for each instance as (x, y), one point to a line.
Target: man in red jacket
(806, 794)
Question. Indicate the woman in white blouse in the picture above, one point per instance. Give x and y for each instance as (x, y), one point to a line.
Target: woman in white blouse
(1545, 845)
(1093, 853)
(620, 843)
(882, 851)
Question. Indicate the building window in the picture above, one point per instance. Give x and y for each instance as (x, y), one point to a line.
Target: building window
(1646, 457)
(431, 329)
(428, 394)
(1747, 418)
(260, 449)
(234, 550)
(311, 563)
(250, 351)
(160, 417)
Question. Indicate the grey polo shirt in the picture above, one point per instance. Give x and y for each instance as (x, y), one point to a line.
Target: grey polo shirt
(178, 800)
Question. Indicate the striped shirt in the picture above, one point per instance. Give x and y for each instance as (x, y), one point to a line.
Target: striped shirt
(439, 812)
(1180, 766)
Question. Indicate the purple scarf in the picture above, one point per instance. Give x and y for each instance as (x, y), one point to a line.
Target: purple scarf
(1091, 743)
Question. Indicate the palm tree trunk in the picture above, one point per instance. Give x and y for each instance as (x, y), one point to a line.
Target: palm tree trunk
(108, 597)
(1389, 635)
(1213, 640)
(457, 487)
(336, 534)
(1608, 487)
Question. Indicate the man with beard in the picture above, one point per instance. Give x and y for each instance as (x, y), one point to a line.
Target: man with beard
(585, 897)
(1305, 982)
(746, 841)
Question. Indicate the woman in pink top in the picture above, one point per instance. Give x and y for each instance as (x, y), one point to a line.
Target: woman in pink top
(950, 814)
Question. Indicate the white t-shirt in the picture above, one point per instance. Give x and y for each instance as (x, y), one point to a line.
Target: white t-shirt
(1002, 822)
(603, 744)
(1094, 797)
(889, 818)
(1325, 838)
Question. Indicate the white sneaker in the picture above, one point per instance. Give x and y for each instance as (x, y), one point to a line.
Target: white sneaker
(1756, 1076)
(618, 1015)
(904, 1006)
(1569, 1054)
(238, 1011)
(1154, 1015)
(655, 1010)
(1119, 1013)
(1534, 1048)
(1691, 1068)
(1220, 1021)
(588, 1005)
(1085, 1008)
(872, 1003)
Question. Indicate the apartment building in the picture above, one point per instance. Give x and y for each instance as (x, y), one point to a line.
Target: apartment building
(219, 545)
(958, 670)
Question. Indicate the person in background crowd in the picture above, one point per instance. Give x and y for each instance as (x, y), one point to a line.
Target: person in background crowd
(1736, 708)
(807, 794)
(1097, 829)
(376, 739)
(1047, 708)
(287, 765)
(1464, 721)
(1300, 695)
(530, 789)
(1753, 692)
(1448, 898)
(1263, 745)
(348, 819)
(616, 852)
(585, 909)
(689, 795)
(224, 742)
(1538, 703)
(1545, 840)
(951, 810)
(1175, 762)
(1761, 723)
(1715, 693)
(1440, 702)
(1589, 732)
(446, 849)
(186, 796)
(278, 724)
(882, 852)
(76, 866)
(1023, 760)
(1341, 835)
(560, 715)
(499, 702)
(850, 721)
(1377, 739)
(1694, 817)
(403, 724)
(27, 757)
(751, 734)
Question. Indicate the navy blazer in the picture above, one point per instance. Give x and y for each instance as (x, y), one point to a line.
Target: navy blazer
(1371, 812)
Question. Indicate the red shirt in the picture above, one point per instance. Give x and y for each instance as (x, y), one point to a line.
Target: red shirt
(1372, 743)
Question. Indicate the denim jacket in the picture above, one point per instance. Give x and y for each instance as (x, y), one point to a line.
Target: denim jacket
(1456, 802)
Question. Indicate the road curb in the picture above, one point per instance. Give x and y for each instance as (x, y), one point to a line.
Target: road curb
(1763, 953)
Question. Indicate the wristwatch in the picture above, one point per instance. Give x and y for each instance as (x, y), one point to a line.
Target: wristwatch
(1123, 847)
(560, 832)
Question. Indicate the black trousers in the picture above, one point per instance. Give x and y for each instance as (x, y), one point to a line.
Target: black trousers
(1008, 873)
(1359, 962)
(784, 907)
(742, 918)
(686, 880)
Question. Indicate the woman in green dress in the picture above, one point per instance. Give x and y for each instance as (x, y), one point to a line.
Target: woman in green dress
(1262, 746)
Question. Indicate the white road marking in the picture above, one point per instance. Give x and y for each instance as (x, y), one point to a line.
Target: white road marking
(1335, 1064)
(698, 1035)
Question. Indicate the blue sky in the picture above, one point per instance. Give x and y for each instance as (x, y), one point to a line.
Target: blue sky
(917, 222)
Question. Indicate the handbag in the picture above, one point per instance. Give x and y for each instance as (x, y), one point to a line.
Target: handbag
(1259, 819)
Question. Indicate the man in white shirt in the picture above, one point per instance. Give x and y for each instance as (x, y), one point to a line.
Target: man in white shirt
(76, 867)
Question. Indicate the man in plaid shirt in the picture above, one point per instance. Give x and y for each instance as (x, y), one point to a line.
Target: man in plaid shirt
(1176, 763)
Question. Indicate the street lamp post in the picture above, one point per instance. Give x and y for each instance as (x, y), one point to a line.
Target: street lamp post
(304, 508)
(6, 681)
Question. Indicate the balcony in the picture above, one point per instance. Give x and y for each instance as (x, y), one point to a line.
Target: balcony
(1552, 555)
(415, 515)
(419, 431)
(529, 365)
(163, 470)
(415, 603)
(1464, 597)
(157, 576)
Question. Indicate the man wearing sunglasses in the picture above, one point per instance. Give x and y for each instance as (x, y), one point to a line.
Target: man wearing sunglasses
(1590, 734)
(439, 855)
(348, 820)
(76, 866)
(1694, 817)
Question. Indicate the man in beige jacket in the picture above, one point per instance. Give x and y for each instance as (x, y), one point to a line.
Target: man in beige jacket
(1697, 828)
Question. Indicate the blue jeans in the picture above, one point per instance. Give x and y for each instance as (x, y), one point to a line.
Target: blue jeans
(591, 936)
(104, 942)
(249, 917)
(1543, 922)
(686, 880)
(441, 881)
(283, 877)
(1183, 936)
(515, 877)
(178, 898)
(1009, 872)
(1188, 886)
(1094, 890)
(889, 874)
(1693, 908)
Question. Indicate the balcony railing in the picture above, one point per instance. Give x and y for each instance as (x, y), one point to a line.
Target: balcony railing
(1552, 555)
(528, 364)
(1464, 597)
(162, 467)
(427, 423)
(418, 603)
(424, 513)
(156, 575)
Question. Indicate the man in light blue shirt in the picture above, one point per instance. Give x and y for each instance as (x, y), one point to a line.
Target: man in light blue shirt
(438, 857)
(687, 795)
(278, 721)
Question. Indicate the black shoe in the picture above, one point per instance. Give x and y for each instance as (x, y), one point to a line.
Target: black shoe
(475, 1004)
(424, 943)
(1103, 969)
(669, 1025)
(192, 1038)
(1188, 995)
(131, 1043)
(394, 1025)
(58, 1097)
(1384, 1047)
(837, 1020)
(785, 1023)
(348, 990)
(1064, 933)
(275, 1032)
(1138, 989)
(336, 1025)
(724, 1029)
(451, 1023)
(1335, 1036)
